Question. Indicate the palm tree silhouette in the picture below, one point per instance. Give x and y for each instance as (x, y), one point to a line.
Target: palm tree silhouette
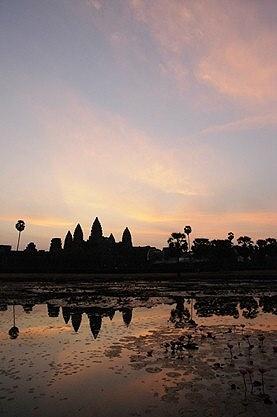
(188, 231)
(20, 226)
(178, 243)
(230, 236)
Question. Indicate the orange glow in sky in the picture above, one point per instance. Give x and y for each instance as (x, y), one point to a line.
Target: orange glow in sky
(151, 115)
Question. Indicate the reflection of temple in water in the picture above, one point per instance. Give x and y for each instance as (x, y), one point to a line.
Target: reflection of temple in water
(76, 319)
(186, 311)
(94, 314)
(28, 308)
(66, 314)
(53, 310)
(95, 322)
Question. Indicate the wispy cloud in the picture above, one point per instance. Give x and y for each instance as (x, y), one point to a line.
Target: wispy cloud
(223, 44)
(247, 123)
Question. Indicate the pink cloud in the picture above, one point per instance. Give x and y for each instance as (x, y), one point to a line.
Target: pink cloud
(224, 44)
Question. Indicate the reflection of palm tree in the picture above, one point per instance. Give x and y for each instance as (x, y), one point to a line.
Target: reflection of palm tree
(14, 331)
(180, 314)
(20, 226)
(188, 231)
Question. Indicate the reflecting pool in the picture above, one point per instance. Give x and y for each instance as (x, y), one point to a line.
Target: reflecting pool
(81, 353)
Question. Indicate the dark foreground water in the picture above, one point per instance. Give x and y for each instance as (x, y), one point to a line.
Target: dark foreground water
(187, 354)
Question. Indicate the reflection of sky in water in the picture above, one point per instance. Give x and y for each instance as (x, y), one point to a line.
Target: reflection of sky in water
(52, 370)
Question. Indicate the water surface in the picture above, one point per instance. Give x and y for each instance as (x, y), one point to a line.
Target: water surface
(132, 356)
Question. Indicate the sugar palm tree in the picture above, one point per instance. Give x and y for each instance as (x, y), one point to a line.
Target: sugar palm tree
(178, 243)
(230, 236)
(188, 231)
(20, 226)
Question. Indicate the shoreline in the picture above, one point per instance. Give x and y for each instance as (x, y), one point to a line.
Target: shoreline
(155, 276)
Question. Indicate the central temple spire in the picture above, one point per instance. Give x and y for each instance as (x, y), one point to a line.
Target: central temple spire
(127, 238)
(96, 230)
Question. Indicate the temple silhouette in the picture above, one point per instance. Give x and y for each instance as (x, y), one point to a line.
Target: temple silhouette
(98, 253)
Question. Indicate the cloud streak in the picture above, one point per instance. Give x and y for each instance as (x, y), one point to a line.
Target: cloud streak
(223, 44)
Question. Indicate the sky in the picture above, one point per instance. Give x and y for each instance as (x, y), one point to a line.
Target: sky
(151, 114)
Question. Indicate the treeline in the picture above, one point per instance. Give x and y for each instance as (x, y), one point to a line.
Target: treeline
(226, 253)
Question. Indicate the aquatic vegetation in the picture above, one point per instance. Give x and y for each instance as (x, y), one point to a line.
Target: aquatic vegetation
(261, 339)
(243, 372)
(230, 346)
(262, 372)
(250, 372)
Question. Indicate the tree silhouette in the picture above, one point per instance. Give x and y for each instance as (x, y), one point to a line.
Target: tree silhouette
(188, 231)
(230, 236)
(178, 244)
(68, 241)
(127, 238)
(201, 248)
(20, 226)
(221, 250)
(245, 246)
(261, 243)
(271, 247)
(245, 241)
(260, 249)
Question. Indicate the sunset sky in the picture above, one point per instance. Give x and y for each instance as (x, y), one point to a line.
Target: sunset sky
(151, 114)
